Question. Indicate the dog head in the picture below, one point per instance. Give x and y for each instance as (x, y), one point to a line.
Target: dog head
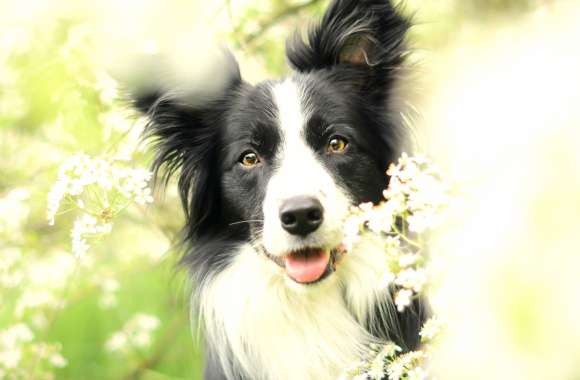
(278, 164)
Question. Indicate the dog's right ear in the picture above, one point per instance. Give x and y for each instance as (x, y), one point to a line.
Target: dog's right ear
(366, 36)
(184, 113)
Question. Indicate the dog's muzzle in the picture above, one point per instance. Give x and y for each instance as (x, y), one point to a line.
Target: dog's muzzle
(308, 266)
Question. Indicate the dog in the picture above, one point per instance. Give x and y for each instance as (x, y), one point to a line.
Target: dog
(267, 174)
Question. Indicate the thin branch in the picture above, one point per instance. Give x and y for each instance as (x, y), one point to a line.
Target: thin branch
(278, 17)
(161, 350)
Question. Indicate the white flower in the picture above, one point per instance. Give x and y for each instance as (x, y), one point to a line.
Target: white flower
(35, 299)
(146, 322)
(393, 242)
(117, 342)
(380, 218)
(377, 369)
(57, 360)
(55, 197)
(133, 184)
(137, 332)
(10, 274)
(417, 373)
(387, 279)
(141, 339)
(19, 333)
(109, 287)
(416, 186)
(112, 187)
(390, 349)
(431, 329)
(403, 299)
(81, 171)
(50, 271)
(422, 221)
(10, 358)
(39, 320)
(11, 341)
(413, 279)
(408, 259)
(14, 211)
(107, 88)
(415, 199)
(352, 229)
(403, 364)
(83, 226)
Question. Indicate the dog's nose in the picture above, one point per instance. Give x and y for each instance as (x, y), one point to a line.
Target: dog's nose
(301, 215)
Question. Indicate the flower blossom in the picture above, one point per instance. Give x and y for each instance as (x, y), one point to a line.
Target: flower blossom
(11, 341)
(84, 226)
(431, 329)
(413, 204)
(136, 333)
(403, 298)
(100, 189)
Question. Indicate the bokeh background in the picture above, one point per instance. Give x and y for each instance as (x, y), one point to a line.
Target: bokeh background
(495, 88)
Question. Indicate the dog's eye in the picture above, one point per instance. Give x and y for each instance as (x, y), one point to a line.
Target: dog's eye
(249, 159)
(337, 144)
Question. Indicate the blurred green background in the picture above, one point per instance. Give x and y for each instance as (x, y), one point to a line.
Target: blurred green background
(59, 316)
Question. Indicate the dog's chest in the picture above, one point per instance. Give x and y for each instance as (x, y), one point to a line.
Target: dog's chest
(277, 333)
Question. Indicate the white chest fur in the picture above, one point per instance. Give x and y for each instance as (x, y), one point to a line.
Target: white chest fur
(279, 330)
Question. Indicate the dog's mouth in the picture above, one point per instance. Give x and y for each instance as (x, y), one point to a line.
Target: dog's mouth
(309, 265)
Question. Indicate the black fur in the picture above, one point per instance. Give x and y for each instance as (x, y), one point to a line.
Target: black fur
(348, 64)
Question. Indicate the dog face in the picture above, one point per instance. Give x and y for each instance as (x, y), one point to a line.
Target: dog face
(295, 155)
(279, 163)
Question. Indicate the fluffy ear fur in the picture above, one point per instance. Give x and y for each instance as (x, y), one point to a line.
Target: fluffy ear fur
(183, 123)
(368, 35)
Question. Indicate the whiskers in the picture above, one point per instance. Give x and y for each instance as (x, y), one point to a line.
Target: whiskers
(247, 222)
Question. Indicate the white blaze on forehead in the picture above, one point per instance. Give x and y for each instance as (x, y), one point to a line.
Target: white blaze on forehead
(297, 162)
(291, 115)
(299, 172)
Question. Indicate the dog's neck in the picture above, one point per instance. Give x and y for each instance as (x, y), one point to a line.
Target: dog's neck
(263, 325)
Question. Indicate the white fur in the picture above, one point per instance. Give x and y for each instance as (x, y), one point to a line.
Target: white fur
(279, 332)
(300, 173)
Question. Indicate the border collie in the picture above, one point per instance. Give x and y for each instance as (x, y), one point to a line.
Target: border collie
(266, 175)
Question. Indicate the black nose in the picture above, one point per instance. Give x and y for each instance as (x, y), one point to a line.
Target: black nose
(301, 215)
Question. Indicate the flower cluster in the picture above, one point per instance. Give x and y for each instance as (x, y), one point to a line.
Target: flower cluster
(431, 330)
(411, 365)
(416, 192)
(109, 289)
(43, 285)
(407, 366)
(17, 345)
(10, 272)
(389, 359)
(372, 367)
(100, 189)
(13, 211)
(135, 334)
(414, 203)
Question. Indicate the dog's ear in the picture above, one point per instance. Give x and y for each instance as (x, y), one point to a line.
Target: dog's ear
(367, 34)
(184, 115)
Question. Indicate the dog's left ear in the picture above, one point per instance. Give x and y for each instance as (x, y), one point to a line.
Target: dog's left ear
(368, 35)
(184, 111)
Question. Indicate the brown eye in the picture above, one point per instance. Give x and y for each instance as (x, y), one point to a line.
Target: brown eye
(249, 159)
(337, 144)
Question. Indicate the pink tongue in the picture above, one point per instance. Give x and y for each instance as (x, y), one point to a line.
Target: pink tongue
(308, 267)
